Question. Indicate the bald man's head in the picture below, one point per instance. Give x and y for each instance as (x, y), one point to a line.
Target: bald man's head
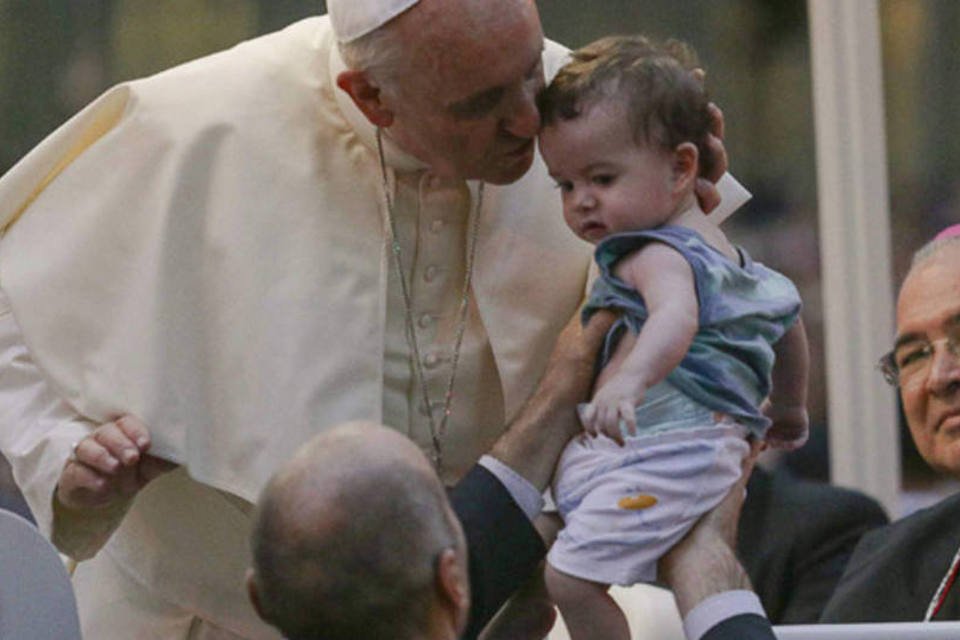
(348, 535)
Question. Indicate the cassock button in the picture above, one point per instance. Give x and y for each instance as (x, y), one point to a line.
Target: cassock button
(437, 409)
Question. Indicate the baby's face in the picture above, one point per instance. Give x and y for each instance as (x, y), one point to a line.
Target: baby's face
(608, 183)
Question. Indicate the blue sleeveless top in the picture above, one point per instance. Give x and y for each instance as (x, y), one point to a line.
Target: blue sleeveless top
(743, 310)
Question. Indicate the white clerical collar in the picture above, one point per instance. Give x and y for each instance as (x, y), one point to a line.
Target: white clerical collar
(395, 157)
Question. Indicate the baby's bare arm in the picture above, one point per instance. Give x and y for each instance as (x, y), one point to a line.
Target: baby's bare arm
(665, 280)
(787, 407)
(791, 369)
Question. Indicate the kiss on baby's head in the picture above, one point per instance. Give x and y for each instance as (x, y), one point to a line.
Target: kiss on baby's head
(626, 131)
(665, 101)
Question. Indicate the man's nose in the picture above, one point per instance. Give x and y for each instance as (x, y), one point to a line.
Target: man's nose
(522, 119)
(944, 376)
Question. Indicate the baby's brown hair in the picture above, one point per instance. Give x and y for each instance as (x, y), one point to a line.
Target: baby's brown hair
(665, 102)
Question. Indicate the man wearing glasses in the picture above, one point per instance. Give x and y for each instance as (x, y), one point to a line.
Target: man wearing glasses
(907, 571)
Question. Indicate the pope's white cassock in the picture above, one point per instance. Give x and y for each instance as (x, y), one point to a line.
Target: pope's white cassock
(206, 249)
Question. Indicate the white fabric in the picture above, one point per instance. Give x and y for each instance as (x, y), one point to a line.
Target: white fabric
(204, 249)
(523, 493)
(433, 219)
(353, 19)
(688, 471)
(870, 631)
(176, 291)
(115, 606)
(717, 608)
(188, 542)
(733, 195)
(304, 291)
(37, 428)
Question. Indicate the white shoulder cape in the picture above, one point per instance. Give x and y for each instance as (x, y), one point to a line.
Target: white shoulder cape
(204, 249)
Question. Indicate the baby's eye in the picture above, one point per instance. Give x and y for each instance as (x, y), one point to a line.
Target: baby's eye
(564, 185)
(603, 179)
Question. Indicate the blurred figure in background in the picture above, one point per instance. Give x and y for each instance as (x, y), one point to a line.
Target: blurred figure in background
(907, 570)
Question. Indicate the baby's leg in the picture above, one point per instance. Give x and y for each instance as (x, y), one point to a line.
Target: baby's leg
(587, 609)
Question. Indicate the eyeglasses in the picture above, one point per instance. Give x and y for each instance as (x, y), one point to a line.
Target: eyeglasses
(911, 360)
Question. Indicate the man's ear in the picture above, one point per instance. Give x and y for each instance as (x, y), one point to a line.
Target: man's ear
(453, 587)
(686, 166)
(366, 95)
(254, 594)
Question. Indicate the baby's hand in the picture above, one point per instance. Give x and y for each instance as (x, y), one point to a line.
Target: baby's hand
(790, 428)
(614, 401)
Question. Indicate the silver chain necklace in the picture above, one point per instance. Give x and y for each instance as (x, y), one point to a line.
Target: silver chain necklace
(437, 431)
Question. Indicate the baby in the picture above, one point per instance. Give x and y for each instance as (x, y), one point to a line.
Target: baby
(688, 369)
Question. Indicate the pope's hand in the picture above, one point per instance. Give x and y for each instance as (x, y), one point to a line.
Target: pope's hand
(704, 562)
(705, 186)
(109, 466)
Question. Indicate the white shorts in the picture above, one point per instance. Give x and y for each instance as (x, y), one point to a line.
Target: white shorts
(687, 471)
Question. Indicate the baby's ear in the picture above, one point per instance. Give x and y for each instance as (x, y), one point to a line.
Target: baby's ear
(686, 166)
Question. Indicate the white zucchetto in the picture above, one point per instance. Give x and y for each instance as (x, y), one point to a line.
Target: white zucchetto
(353, 19)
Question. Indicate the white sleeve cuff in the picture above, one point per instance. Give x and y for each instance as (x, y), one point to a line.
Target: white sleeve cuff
(37, 427)
(719, 607)
(733, 195)
(523, 493)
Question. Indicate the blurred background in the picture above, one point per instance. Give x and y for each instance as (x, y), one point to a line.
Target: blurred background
(57, 55)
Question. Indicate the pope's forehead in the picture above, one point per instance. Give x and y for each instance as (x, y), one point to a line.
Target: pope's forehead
(454, 29)
(456, 63)
(450, 14)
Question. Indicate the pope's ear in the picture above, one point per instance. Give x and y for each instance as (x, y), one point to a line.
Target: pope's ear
(366, 95)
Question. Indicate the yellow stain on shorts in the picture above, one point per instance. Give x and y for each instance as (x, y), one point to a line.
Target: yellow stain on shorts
(637, 502)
